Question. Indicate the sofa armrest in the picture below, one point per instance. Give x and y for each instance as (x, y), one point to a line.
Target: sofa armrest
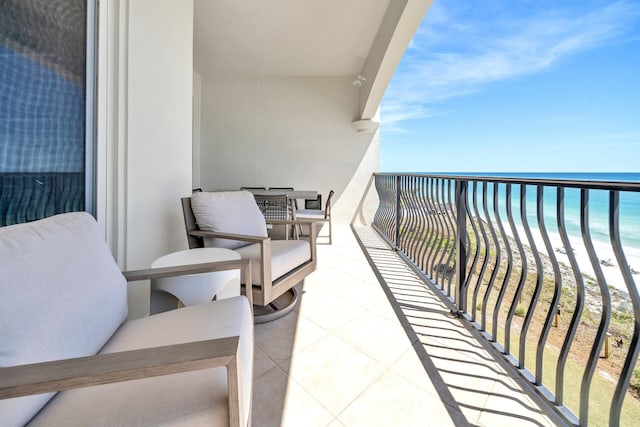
(208, 267)
(241, 237)
(109, 368)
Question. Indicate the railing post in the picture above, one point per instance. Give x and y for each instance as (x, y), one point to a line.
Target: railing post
(461, 238)
(398, 207)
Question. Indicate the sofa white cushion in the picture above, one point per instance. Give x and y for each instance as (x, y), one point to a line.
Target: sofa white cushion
(188, 399)
(285, 256)
(62, 294)
(233, 212)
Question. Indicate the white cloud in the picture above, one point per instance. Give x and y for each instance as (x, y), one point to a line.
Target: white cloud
(455, 55)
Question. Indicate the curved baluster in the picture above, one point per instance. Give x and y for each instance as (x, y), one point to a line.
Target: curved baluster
(594, 354)
(379, 215)
(507, 276)
(425, 227)
(431, 227)
(523, 276)
(443, 242)
(452, 221)
(573, 323)
(406, 227)
(555, 299)
(437, 229)
(394, 209)
(496, 244)
(634, 346)
(446, 235)
(539, 276)
(485, 240)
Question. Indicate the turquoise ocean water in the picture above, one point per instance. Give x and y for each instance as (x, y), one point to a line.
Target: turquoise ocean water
(629, 208)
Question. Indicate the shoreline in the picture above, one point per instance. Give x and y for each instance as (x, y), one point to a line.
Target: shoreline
(604, 252)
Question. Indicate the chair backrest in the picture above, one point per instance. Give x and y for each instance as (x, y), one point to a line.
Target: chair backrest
(253, 188)
(232, 212)
(313, 203)
(273, 206)
(327, 208)
(281, 188)
(190, 224)
(63, 297)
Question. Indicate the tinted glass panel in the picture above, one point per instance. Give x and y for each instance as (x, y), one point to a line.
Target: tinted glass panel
(42, 108)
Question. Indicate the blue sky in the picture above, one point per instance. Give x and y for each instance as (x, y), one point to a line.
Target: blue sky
(517, 86)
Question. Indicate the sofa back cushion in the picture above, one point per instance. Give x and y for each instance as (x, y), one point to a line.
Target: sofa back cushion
(234, 212)
(62, 294)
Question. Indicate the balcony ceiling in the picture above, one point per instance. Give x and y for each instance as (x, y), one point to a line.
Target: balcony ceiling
(285, 37)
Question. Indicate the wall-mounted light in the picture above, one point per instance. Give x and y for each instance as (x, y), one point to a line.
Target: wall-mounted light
(359, 80)
(365, 126)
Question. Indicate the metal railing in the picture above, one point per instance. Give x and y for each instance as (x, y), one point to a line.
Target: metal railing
(518, 259)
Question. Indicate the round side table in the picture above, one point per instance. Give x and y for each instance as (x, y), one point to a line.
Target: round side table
(195, 288)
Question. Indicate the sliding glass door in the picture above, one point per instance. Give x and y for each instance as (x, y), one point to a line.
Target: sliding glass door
(47, 69)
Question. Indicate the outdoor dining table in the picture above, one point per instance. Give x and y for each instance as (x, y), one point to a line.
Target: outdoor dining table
(291, 195)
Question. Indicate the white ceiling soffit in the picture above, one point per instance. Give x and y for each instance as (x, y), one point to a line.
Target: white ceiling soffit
(285, 37)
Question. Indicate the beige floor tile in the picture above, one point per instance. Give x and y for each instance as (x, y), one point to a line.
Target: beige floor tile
(261, 362)
(333, 372)
(411, 368)
(279, 402)
(283, 337)
(360, 292)
(328, 311)
(381, 339)
(507, 401)
(335, 423)
(393, 401)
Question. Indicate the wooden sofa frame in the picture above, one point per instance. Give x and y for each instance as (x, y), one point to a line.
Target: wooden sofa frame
(60, 375)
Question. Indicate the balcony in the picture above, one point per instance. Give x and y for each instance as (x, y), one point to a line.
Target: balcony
(371, 345)
(387, 333)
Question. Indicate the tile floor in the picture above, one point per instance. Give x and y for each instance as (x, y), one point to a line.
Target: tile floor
(360, 353)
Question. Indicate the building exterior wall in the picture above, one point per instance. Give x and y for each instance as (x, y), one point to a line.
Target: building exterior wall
(286, 131)
(145, 131)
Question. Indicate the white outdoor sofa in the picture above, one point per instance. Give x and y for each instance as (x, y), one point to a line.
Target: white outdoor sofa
(63, 327)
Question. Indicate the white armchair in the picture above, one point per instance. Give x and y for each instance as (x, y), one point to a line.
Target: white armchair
(68, 356)
(232, 219)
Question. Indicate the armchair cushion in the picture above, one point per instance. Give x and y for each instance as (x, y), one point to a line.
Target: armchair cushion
(62, 295)
(285, 256)
(154, 401)
(234, 212)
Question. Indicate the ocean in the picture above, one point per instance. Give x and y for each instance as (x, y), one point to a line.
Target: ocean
(629, 208)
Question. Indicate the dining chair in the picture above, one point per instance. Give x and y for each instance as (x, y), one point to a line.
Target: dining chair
(254, 188)
(294, 201)
(275, 207)
(317, 214)
(313, 203)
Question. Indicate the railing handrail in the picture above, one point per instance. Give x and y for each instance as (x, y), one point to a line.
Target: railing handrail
(551, 182)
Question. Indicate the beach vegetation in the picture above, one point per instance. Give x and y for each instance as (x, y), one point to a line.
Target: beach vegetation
(621, 321)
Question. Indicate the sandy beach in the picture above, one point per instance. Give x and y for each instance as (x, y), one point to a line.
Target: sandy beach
(612, 273)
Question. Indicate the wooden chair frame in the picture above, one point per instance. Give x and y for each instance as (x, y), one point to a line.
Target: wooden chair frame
(327, 216)
(60, 375)
(269, 290)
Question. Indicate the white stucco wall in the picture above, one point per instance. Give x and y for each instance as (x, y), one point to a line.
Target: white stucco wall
(158, 154)
(286, 131)
(197, 125)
